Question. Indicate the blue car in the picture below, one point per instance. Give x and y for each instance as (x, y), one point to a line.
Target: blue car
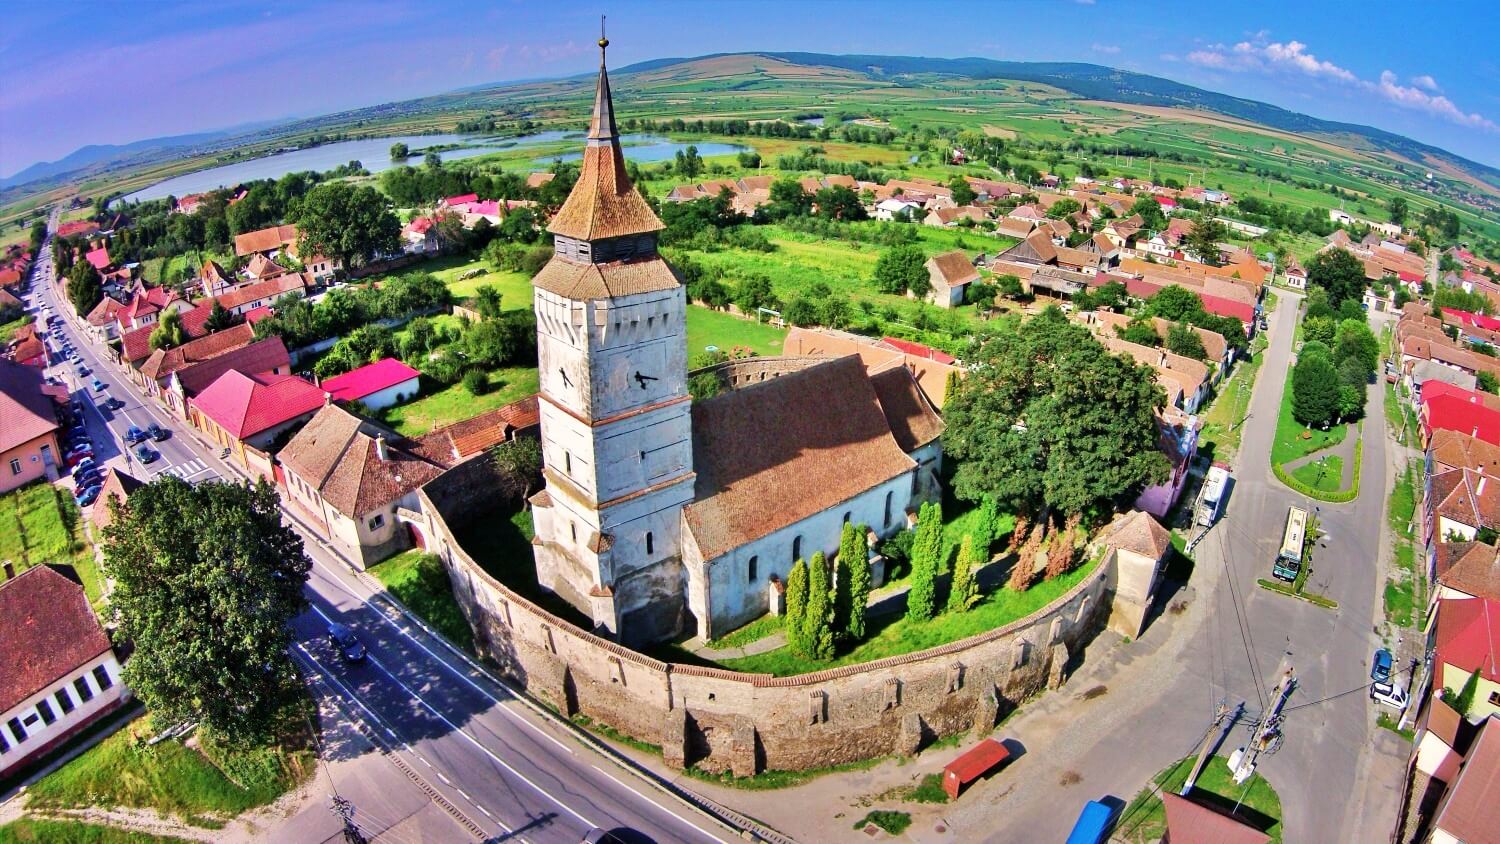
(146, 455)
(134, 435)
(97, 385)
(89, 496)
(1380, 669)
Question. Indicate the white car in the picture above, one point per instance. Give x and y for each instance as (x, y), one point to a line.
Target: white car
(1392, 696)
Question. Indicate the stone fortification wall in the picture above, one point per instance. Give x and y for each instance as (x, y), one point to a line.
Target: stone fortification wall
(725, 720)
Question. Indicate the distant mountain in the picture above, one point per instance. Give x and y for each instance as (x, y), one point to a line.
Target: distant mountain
(1097, 82)
(98, 156)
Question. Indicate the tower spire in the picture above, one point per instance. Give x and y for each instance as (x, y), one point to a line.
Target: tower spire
(602, 127)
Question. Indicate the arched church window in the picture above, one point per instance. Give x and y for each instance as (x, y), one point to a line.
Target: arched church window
(796, 549)
(888, 498)
(753, 563)
(650, 543)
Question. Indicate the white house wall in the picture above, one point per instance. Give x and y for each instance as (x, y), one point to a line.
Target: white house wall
(38, 734)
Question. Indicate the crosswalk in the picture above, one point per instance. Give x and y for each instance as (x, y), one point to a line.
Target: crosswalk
(193, 471)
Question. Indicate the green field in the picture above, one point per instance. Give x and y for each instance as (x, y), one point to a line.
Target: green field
(41, 831)
(726, 331)
(454, 403)
(418, 581)
(514, 287)
(39, 523)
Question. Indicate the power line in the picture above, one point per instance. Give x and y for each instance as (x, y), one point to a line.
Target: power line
(1243, 626)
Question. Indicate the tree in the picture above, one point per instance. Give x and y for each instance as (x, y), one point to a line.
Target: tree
(963, 192)
(839, 203)
(853, 582)
(1150, 212)
(788, 199)
(1064, 208)
(901, 269)
(1354, 339)
(85, 289)
(1465, 700)
(1048, 421)
(688, 163)
(1398, 208)
(1339, 273)
(1175, 303)
(817, 621)
(964, 591)
(796, 606)
(399, 151)
(1183, 340)
(987, 527)
(432, 161)
(207, 579)
(1205, 238)
(168, 333)
(754, 292)
(1141, 331)
(1319, 329)
(220, 318)
(1315, 389)
(487, 301)
(1010, 286)
(1488, 383)
(921, 598)
(519, 464)
(348, 223)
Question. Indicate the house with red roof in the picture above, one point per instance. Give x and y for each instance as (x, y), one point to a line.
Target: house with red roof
(61, 673)
(419, 237)
(377, 385)
(1467, 639)
(77, 227)
(239, 410)
(99, 258)
(1167, 203)
(189, 204)
(28, 427)
(452, 202)
(919, 350)
(191, 377)
(146, 307)
(1446, 407)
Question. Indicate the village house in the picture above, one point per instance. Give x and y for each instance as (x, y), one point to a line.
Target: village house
(478, 434)
(1215, 346)
(26, 348)
(241, 300)
(267, 242)
(376, 385)
(419, 237)
(353, 479)
(263, 357)
(135, 345)
(239, 411)
(897, 208)
(28, 427)
(1467, 638)
(159, 365)
(146, 306)
(949, 275)
(1185, 380)
(60, 673)
(953, 217)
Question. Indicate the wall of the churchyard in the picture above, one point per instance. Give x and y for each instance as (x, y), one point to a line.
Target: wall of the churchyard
(748, 723)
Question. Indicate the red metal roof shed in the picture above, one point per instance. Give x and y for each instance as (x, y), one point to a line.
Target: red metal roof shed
(973, 764)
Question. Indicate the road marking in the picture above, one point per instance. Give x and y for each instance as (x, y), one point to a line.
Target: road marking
(658, 805)
(486, 811)
(462, 732)
(443, 778)
(424, 761)
(463, 794)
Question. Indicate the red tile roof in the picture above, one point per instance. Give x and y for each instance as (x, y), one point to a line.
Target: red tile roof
(1191, 822)
(99, 258)
(25, 412)
(136, 344)
(270, 290)
(337, 453)
(919, 350)
(77, 227)
(487, 430)
(255, 315)
(1219, 306)
(47, 632)
(1468, 636)
(245, 405)
(1472, 809)
(164, 362)
(1447, 411)
(265, 240)
(1434, 388)
(368, 379)
(262, 356)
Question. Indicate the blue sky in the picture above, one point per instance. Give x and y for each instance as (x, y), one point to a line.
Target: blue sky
(72, 75)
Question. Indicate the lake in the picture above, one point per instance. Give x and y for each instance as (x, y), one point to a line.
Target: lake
(373, 153)
(649, 149)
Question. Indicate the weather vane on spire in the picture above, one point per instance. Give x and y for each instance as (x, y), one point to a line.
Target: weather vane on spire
(603, 41)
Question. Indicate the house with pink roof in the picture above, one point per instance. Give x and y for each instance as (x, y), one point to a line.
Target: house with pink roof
(99, 258)
(239, 410)
(377, 385)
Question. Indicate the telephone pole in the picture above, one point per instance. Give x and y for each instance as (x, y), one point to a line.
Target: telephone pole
(1266, 736)
(345, 810)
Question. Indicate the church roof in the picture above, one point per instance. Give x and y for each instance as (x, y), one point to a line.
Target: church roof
(603, 203)
(602, 281)
(773, 453)
(913, 421)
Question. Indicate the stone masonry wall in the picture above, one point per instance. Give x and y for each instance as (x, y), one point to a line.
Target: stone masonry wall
(746, 723)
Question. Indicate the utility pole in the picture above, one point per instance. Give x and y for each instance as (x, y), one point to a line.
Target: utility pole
(1266, 736)
(345, 810)
(1225, 720)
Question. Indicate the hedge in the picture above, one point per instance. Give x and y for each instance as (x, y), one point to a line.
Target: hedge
(1339, 497)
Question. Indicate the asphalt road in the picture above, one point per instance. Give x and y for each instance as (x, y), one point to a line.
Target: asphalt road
(474, 762)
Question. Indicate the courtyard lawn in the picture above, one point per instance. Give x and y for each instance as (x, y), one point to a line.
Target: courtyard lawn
(39, 523)
(168, 777)
(454, 403)
(707, 327)
(1289, 443)
(1327, 477)
(9, 329)
(500, 543)
(1145, 819)
(514, 287)
(417, 579)
(893, 634)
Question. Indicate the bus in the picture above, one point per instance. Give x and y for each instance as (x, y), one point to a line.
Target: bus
(1211, 499)
(1289, 559)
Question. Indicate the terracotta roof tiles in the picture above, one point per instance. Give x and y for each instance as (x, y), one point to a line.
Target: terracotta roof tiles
(47, 632)
(25, 411)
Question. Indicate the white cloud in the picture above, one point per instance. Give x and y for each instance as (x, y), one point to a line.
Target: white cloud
(1293, 57)
(1111, 49)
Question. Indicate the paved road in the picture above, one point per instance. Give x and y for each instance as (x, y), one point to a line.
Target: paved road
(482, 764)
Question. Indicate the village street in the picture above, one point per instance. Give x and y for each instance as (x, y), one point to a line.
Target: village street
(1136, 707)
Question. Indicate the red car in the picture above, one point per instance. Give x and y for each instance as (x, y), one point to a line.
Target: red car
(73, 458)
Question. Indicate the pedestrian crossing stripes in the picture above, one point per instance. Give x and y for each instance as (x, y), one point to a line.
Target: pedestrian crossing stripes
(189, 471)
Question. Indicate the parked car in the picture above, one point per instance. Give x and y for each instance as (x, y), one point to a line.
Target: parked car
(88, 496)
(345, 642)
(1392, 696)
(157, 433)
(73, 458)
(82, 467)
(144, 454)
(89, 480)
(82, 370)
(97, 385)
(134, 435)
(1380, 667)
(112, 403)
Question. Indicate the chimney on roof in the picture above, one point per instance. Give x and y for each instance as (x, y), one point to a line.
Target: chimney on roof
(327, 398)
(10, 569)
(380, 448)
(1479, 490)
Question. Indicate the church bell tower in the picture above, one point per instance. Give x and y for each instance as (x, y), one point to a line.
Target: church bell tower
(616, 421)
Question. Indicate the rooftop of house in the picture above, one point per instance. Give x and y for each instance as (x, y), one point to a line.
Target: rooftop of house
(931, 373)
(136, 344)
(260, 357)
(471, 436)
(26, 412)
(47, 631)
(356, 465)
(265, 240)
(368, 379)
(1456, 414)
(1468, 567)
(953, 268)
(1191, 822)
(1468, 635)
(118, 486)
(245, 405)
(164, 362)
(1459, 450)
(1138, 532)
(1471, 809)
(270, 288)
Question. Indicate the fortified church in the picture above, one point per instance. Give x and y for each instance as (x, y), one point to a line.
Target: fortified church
(660, 513)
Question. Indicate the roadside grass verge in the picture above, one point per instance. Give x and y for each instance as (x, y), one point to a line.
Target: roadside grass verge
(417, 579)
(39, 523)
(41, 830)
(1222, 424)
(1145, 819)
(1405, 591)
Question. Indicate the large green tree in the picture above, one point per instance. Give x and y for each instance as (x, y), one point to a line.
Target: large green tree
(964, 591)
(85, 288)
(796, 606)
(1048, 422)
(206, 579)
(1205, 238)
(352, 224)
(168, 333)
(817, 620)
(921, 598)
(901, 269)
(1185, 341)
(1340, 273)
(1315, 387)
(853, 582)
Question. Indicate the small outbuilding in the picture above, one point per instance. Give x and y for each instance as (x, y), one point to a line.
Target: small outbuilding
(974, 763)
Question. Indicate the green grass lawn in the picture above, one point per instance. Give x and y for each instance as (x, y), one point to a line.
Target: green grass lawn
(514, 287)
(417, 579)
(1289, 443)
(1328, 477)
(454, 403)
(706, 327)
(1145, 819)
(754, 631)
(1222, 423)
(43, 831)
(168, 777)
(9, 329)
(892, 635)
(39, 523)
